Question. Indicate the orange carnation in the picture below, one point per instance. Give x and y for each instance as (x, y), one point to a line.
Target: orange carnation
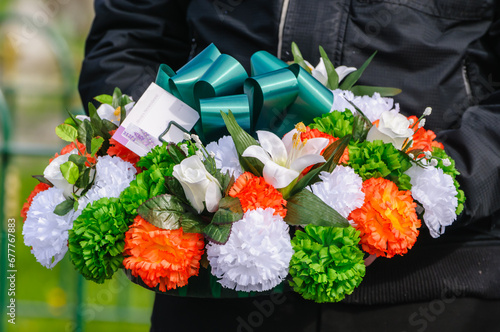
(254, 192)
(119, 150)
(387, 221)
(314, 133)
(70, 147)
(423, 139)
(26, 206)
(162, 257)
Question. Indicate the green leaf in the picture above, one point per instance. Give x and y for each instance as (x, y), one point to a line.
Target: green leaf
(123, 112)
(64, 207)
(364, 90)
(168, 212)
(104, 99)
(117, 98)
(175, 153)
(85, 134)
(360, 128)
(73, 117)
(174, 187)
(332, 154)
(66, 132)
(42, 179)
(333, 77)
(298, 59)
(242, 140)
(353, 77)
(70, 171)
(229, 211)
(83, 179)
(217, 233)
(306, 208)
(95, 145)
(78, 160)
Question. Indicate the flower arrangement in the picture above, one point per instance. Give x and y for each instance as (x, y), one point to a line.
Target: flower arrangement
(304, 209)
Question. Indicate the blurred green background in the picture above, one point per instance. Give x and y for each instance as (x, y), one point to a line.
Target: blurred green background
(41, 49)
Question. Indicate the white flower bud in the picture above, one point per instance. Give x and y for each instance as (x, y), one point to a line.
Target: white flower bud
(446, 162)
(411, 155)
(428, 154)
(427, 111)
(187, 137)
(411, 122)
(200, 154)
(196, 138)
(185, 148)
(212, 154)
(421, 123)
(433, 162)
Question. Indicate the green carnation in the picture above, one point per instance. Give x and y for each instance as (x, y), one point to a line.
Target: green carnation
(150, 183)
(380, 160)
(146, 185)
(451, 171)
(338, 124)
(97, 239)
(327, 264)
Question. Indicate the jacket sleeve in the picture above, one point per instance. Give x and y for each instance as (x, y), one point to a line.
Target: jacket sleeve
(127, 42)
(475, 145)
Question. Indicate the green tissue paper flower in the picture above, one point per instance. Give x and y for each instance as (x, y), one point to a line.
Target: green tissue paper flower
(451, 171)
(338, 124)
(97, 239)
(378, 159)
(150, 183)
(327, 264)
(146, 185)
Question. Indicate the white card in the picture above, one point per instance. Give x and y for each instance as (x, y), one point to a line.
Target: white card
(151, 116)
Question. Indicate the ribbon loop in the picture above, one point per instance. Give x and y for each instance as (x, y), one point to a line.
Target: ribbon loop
(275, 97)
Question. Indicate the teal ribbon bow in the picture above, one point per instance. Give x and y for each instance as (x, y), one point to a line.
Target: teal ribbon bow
(274, 98)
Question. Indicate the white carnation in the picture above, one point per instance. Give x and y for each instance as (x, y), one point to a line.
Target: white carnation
(45, 232)
(226, 156)
(257, 254)
(372, 106)
(341, 190)
(437, 194)
(113, 175)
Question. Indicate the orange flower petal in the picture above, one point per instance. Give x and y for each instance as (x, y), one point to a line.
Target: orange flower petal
(254, 192)
(162, 257)
(387, 221)
(26, 206)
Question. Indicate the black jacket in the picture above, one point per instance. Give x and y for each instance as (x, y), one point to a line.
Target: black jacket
(441, 53)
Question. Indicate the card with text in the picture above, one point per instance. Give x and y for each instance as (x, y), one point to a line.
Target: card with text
(155, 111)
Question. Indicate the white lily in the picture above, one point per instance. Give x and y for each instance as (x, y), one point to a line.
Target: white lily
(319, 72)
(106, 111)
(285, 159)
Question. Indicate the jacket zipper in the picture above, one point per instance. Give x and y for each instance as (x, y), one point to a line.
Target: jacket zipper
(465, 77)
(284, 11)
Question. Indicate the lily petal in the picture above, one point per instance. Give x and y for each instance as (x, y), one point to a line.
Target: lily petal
(273, 145)
(343, 71)
(279, 176)
(301, 163)
(258, 152)
(314, 146)
(288, 139)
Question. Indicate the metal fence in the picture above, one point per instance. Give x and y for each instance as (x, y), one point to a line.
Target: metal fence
(9, 150)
